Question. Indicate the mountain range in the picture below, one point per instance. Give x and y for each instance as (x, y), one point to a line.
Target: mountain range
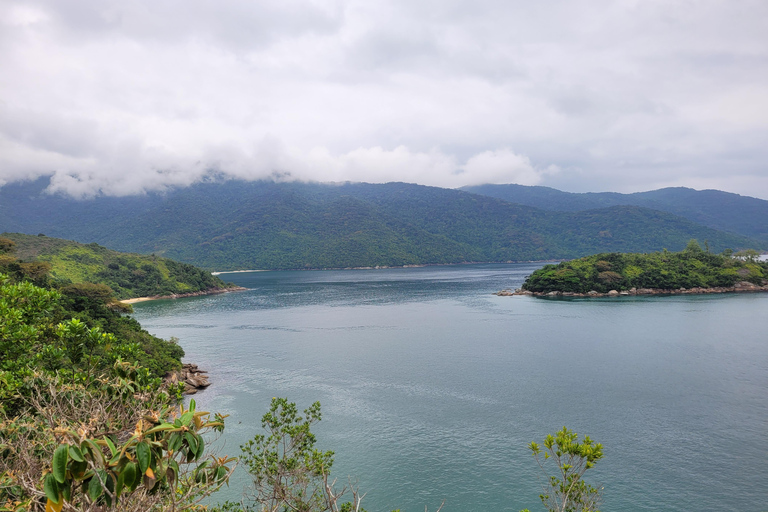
(712, 208)
(229, 224)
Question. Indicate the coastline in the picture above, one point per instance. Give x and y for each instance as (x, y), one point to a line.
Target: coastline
(385, 267)
(210, 291)
(741, 287)
(219, 272)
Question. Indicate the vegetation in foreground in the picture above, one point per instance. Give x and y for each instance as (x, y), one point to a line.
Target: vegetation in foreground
(85, 420)
(128, 275)
(85, 426)
(57, 322)
(691, 268)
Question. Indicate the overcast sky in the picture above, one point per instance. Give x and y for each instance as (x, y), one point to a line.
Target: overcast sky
(121, 97)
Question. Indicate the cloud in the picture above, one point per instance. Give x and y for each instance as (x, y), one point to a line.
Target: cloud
(140, 171)
(124, 97)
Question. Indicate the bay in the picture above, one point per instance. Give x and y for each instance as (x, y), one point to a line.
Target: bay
(431, 387)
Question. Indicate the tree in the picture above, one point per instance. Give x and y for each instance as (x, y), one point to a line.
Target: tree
(566, 491)
(103, 435)
(693, 247)
(289, 473)
(6, 245)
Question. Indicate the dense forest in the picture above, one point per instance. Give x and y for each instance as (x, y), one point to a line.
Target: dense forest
(691, 268)
(91, 304)
(724, 211)
(230, 225)
(128, 275)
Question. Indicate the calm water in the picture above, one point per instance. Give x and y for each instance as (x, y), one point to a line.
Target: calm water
(431, 386)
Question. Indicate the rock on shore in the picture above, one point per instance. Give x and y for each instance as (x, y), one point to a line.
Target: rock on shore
(193, 378)
(743, 286)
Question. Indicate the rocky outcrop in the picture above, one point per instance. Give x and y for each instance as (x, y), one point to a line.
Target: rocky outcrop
(193, 378)
(743, 286)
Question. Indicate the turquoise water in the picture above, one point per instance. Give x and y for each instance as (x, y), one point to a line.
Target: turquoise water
(432, 387)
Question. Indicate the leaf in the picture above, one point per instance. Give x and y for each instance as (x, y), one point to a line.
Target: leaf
(51, 488)
(76, 454)
(186, 418)
(191, 442)
(128, 474)
(60, 458)
(150, 473)
(78, 469)
(159, 428)
(173, 468)
(94, 488)
(174, 443)
(66, 492)
(144, 455)
(134, 482)
(120, 484)
(51, 506)
(111, 445)
(200, 447)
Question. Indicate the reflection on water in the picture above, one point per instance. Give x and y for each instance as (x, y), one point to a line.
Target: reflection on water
(432, 387)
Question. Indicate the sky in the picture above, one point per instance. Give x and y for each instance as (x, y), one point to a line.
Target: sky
(124, 97)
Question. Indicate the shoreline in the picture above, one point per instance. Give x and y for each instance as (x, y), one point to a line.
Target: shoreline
(741, 287)
(210, 291)
(385, 267)
(219, 272)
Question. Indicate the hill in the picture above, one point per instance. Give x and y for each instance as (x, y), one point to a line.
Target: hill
(129, 275)
(712, 208)
(231, 225)
(692, 268)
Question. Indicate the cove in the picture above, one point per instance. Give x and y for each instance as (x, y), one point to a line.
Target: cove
(432, 387)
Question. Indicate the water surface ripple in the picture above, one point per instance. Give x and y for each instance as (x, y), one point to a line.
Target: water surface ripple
(432, 387)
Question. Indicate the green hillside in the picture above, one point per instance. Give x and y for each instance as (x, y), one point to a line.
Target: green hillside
(690, 268)
(712, 208)
(129, 275)
(229, 225)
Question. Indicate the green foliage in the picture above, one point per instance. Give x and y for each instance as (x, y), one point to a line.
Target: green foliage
(116, 442)
(26, 286)
(6, 245)
(73, 400)
(288, 471)
(25, 312)
(712, 208)
(264, 225)
(566, 491)
(125, 275)
(665, 270)
(70, 331)
(104, 470)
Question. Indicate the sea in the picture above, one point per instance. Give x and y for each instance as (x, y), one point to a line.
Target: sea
(432, 387)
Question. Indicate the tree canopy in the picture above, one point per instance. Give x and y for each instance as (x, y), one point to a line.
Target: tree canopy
(690, 268)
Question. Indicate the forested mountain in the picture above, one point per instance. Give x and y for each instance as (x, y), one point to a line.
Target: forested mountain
(235, 225)
(713, 208)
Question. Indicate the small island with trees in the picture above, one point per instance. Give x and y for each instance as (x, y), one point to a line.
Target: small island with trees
(691, 271)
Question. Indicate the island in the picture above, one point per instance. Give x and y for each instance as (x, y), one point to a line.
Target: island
(691, 271)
